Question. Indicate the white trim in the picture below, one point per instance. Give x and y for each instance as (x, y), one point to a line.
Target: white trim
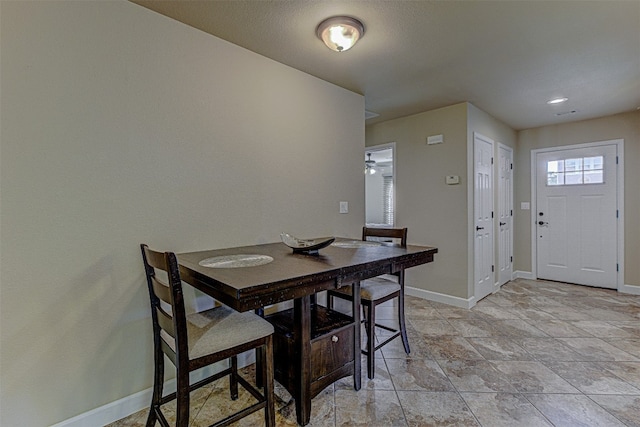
(113, 411)
(619, 143)
(629, 289)
(441, 298)
(126, 406)
(471, 273)
(518, 274)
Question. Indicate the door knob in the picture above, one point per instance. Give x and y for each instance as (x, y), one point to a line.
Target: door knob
(542, 223)
(503, 223)
(479, 228)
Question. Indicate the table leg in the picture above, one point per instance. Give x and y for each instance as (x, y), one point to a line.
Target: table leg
(302, 325)
(357, 382)
(259, 383)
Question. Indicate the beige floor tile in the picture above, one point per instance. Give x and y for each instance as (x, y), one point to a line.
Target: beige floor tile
(368, 408)
(572, 410)
(596, 349)
(475, 375)
(561, 328)
(504, 410)
(415, 374)
(628, 371)
(548, 349)
(499, 348)
(591, 378)
(452, 347)
(624, 408)
(533, 377)
(436, 409)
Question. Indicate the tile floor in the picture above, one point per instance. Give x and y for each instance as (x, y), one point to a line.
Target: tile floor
(534, 354)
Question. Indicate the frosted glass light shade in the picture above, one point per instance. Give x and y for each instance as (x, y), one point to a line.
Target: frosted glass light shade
(340, 33)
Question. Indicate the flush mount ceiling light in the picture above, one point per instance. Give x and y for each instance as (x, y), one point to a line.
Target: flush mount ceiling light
(340, 33)
(556, 101)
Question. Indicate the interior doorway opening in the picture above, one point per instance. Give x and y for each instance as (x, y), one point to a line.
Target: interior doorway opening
(380, 206)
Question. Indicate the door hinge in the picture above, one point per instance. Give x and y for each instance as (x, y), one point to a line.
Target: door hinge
(491, 214)
(511, 214)
(492, 269)
(617, 267)
(511, 259)
(617, 213)
(511, 166)
(616, 160)
(492, 160)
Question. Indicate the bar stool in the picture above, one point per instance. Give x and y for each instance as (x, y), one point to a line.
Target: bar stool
(374, 292)
(200, 339)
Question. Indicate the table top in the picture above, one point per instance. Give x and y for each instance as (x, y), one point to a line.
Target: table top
(293, 275)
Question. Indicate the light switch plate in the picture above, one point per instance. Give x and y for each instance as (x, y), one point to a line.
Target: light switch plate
(452, 179)
(435, 139)
(344, 207)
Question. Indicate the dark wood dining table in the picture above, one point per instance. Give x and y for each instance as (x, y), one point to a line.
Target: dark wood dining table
(307, 334)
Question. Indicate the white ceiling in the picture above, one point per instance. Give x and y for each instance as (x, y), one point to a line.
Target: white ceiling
(505, 57)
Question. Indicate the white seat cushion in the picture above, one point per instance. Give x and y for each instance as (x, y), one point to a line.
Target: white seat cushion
(221, 328)
(373, 289)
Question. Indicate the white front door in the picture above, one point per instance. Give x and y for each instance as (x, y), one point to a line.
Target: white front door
(576, 215)
(483, 216)
(505, 214)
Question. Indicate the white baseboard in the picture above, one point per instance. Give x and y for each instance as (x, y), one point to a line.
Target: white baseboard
(441, 298)
(629, 289)
(113, 411)
(126, 406)
(518, 274)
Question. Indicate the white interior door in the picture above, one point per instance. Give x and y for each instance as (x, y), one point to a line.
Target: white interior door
(483, 216)
(505, 214)
(576, 218)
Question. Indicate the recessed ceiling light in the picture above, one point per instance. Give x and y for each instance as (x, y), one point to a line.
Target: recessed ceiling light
(556, 101)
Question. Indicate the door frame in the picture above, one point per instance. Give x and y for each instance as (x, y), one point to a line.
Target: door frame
(387, 146)
(499, 195)
(619, 143)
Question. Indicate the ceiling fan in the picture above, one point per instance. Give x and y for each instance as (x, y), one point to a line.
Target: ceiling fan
(369, 165)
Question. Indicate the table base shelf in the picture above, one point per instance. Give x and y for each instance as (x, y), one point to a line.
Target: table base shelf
(332, 357)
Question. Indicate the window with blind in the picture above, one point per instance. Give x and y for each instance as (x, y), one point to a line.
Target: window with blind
(387, 198)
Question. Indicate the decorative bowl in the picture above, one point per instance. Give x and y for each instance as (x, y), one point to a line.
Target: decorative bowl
(306, 245)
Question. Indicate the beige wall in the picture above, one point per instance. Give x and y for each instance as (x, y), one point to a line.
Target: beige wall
(121, 126)
(435, 213)
(489, 126)
(621, 126)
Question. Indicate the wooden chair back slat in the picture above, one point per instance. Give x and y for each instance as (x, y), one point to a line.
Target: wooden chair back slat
(156, 259)
(175, 323)
(395, 233)
(161, 290)
(166, 322)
